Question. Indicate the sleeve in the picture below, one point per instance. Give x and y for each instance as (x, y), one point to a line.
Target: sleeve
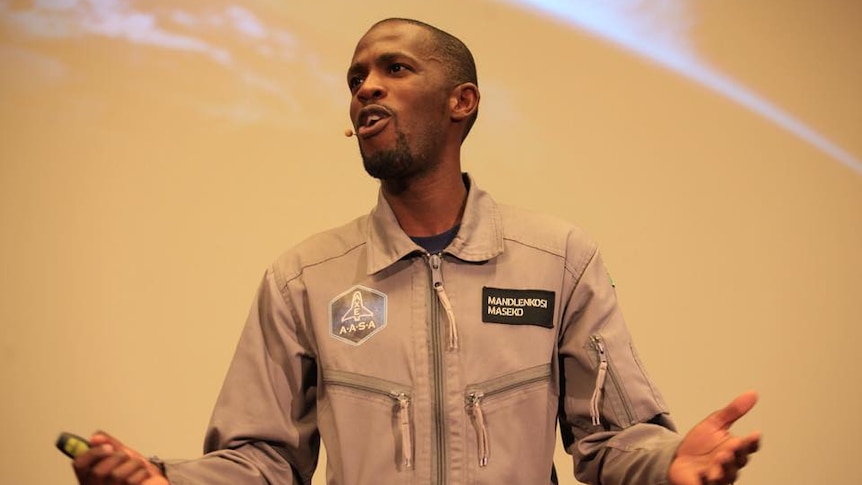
(264, 426)
(613, 420)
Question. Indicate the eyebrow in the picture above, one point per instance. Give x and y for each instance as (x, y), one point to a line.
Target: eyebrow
(384, 58)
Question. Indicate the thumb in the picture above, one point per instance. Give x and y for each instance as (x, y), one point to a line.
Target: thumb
(726, 416)
(103, 438)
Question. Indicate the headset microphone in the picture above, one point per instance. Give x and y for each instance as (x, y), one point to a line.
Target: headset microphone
(348, 133)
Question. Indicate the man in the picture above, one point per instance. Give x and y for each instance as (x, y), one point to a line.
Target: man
(440, 338)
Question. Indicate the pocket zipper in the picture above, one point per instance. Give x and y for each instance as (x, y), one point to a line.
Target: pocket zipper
(399, 395)
(605, 369)
(595, 406)
(478, 393)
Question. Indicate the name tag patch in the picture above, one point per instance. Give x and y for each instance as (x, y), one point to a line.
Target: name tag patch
(518, 307)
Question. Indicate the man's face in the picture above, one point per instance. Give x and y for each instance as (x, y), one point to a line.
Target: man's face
(399, 105)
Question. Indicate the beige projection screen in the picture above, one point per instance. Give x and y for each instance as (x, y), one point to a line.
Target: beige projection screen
(157, 155)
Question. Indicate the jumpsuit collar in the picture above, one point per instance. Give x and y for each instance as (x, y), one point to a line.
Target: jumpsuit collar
(479, 239)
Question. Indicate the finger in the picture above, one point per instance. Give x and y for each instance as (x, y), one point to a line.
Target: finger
(138, 477)
(713, 474)
(747, 446)
(730, 470)
(87, 459)
(740, 458)
(126, 469)
(101, 437)
(721, 464)
(752, 442)
(100, 474)
(726, 416)
(84, 463)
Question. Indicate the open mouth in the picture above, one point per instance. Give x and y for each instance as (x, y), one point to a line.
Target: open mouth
(372, 120)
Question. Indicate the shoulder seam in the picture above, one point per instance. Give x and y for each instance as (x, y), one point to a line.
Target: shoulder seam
(285, 280)
(556, 254)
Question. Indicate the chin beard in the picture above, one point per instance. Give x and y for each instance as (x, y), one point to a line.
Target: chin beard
(393, 163)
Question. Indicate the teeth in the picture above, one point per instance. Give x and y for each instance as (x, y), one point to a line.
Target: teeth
(372, 119)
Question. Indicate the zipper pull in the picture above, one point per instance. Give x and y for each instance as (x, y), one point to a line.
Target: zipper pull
(474, 404)
(437, 280)
(404, 425)
(595, 402)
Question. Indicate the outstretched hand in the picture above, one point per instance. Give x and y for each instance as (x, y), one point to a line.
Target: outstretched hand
(110, 462)
(709, 454)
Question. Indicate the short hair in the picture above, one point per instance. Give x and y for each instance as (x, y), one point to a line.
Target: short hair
(458, 60)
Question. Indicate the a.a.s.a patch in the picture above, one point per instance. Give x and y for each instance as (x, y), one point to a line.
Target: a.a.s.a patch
(518, 307)
(357, 314)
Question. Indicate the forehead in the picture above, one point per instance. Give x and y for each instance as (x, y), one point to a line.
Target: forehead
(393, 37)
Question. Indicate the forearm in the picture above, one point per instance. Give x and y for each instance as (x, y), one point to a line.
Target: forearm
(638, 455)
(250, 464)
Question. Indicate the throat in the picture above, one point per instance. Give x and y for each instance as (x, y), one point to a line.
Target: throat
(438, 242)
(427, 210)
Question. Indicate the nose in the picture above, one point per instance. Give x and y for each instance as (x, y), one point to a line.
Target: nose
(372, 89)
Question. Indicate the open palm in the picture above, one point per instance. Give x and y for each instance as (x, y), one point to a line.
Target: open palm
(709, 454)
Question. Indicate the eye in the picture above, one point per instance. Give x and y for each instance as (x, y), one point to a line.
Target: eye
(354, 82)
(397, 68)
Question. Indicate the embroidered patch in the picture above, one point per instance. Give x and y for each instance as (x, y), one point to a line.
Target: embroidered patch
(518, 307)
(357, 314)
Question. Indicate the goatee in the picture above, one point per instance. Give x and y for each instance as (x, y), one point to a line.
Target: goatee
(394, 163)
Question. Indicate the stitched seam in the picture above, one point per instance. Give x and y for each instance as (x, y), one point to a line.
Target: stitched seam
(283, 282)
(298, 274)
(545, 250)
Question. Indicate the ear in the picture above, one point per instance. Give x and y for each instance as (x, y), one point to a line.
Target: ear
(463, 101)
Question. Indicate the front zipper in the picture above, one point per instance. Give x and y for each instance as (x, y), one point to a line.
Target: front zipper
(606, 368)
(477, 394)
(400, 395)
(436, 263)
(438, 392)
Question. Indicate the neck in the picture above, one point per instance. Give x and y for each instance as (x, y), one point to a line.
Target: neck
(429, 205)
